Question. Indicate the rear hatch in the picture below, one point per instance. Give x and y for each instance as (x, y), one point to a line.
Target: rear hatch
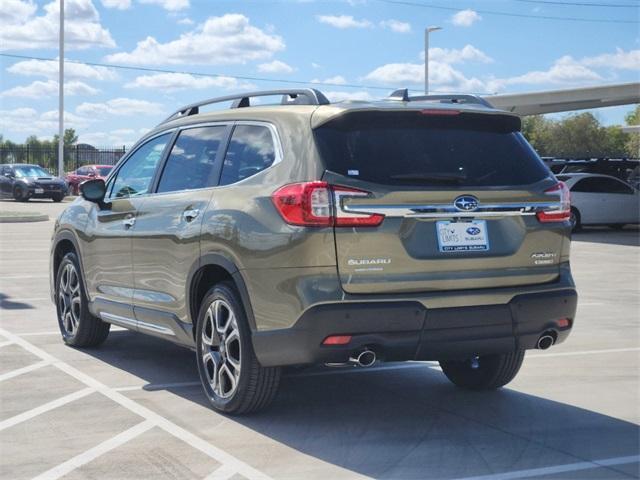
(459, 194)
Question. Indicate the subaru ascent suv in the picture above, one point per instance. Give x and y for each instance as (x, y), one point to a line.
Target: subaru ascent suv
(309, 233)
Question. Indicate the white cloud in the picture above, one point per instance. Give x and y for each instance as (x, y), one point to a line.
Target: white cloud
(396, 26)
(122, 136)
(441, 75)
(23, 29)
(229, 39)
(275, 66)
(465, 18)
(342, 96)
(171, 82)
(29, 121)
(337, 80)
(564, 71)
(620, 60)
(120, 107)
(468, 53)
(13, 11)
(118, 4)
(49, 69)
(40, 89)
(185, 21)
(170, 5)
(343, 21)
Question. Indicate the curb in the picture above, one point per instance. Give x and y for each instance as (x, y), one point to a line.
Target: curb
(23, 218)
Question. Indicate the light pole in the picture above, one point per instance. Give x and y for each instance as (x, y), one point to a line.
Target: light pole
(61, 94)
(427, 31)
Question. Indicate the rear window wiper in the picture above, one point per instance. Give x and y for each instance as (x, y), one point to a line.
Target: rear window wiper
(431, 177)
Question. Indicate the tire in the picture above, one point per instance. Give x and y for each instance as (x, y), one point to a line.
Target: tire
(58, 197)
(576, 224)
(232, 378)
(78, 327)
(19, 194)
(491, 372)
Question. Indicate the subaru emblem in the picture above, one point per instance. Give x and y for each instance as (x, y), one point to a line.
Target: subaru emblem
(466, 203)
(473, 230)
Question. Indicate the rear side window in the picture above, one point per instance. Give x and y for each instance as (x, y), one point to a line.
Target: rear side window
(250, 151)
(410, 148)
(192, 160)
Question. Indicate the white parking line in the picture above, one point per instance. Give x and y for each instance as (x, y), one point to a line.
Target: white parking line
(167, 425)
(34, 412)
(4, 344)
(23, 277)
(93, 453)
(570, 467)
(20, 371)
(221, 473)
(584, 352)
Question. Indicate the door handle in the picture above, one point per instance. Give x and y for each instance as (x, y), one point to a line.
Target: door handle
(191, 214)
(129, 222)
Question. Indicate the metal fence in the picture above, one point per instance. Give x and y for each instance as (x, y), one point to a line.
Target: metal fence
(47, 157)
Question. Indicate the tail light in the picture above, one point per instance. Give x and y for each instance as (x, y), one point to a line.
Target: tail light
(317, 204)
(563, 212)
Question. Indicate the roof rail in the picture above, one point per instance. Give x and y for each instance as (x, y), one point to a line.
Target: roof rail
(302, 96)
(402, 95)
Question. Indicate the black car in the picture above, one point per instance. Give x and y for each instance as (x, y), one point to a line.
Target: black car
(24, 181)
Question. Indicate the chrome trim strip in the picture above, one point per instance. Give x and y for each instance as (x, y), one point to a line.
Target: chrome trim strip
(448, 210)
(118, 320)
(131, 323)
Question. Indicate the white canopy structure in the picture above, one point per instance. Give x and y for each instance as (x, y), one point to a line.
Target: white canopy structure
(552, 101)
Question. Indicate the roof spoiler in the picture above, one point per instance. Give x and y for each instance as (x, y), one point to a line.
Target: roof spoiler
(402, 95)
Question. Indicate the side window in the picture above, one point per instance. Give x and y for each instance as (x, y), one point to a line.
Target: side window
(587, 185)
(609, 185)
(191, 162)
(136, 175)
(250, 151)
(82, 171)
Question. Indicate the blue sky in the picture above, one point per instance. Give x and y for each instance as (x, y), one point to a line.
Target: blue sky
(352, 49)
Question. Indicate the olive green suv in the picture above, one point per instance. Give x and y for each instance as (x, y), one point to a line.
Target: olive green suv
(309, 233)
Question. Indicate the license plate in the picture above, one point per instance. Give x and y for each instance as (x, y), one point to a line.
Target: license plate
(462, 236)
(39, 190)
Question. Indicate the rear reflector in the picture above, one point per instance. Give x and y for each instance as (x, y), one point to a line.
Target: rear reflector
(563, 323)
(562, 212)
(337, 340)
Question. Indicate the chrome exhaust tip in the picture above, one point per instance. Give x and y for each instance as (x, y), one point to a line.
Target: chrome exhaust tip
(366, 358)
(545, 341)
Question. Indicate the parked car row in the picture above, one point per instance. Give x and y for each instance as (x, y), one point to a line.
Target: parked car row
(84, 173)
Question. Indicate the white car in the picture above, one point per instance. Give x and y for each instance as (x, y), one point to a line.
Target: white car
(601, 200)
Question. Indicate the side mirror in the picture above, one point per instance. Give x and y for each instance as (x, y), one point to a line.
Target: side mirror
(91, 174)
(94, 191)
(8, 175)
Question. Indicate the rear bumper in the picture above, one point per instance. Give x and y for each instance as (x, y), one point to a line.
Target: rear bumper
(408, 330)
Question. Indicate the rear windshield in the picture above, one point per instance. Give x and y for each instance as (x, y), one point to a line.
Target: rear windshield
(432, 150)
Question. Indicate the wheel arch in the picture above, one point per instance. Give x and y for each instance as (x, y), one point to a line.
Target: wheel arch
(213, 268)
(64, 242)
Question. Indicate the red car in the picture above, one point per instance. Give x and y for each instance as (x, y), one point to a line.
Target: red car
(87, 172)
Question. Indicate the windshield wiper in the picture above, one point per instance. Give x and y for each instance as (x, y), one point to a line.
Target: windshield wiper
(432, 177)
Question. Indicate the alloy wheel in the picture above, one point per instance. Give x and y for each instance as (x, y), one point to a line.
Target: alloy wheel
(220, 349)
(69, 299)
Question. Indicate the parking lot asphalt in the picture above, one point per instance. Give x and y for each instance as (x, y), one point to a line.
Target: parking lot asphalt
(133, 408)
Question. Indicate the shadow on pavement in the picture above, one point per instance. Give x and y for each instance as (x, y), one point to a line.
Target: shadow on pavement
(629, 236)
(7, 304)
(400, 422)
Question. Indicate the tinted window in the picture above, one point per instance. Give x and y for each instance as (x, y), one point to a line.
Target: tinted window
(192, 160)
(104, 171)
(135, 176)
(250, 151)
(416, 149)
(601, 185)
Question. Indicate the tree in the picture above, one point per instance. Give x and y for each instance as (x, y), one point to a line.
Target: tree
(632, 146)
(70, 137)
